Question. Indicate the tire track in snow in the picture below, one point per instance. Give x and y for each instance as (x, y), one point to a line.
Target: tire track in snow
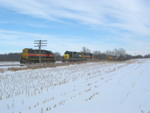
(136, 75)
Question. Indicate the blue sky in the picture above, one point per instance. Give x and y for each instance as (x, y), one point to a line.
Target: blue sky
(71, 24)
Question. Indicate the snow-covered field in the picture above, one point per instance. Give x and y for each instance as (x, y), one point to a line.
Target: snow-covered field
(14, 64)
(4, 65)
(99, 87)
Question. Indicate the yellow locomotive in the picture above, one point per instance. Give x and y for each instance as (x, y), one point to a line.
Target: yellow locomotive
(33, 56)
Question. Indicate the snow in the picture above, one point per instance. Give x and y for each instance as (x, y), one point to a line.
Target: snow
(97, 87)
(5, 65)
(8, 63)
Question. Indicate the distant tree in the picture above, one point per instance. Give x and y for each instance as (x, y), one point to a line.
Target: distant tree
(96, 53)
(58, 56)
(116, 52)
(99, 55)
(10, 57)
(86, 50)
(138, 56)
(120, 52)
(147, 56)
(108, 52)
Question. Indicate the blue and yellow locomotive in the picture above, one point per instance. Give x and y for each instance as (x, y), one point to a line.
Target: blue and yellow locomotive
(76, 56)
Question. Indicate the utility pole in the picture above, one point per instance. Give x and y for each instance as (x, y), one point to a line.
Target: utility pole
(40, 44)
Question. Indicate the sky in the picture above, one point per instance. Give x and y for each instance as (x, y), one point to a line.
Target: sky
(72, 24)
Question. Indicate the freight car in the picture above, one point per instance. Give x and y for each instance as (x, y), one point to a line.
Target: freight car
(76, 56)
(34, 56)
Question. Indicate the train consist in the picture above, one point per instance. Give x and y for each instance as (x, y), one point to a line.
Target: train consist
(76, 56)
(34, 56)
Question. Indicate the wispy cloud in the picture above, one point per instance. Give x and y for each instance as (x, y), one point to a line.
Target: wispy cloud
(4, 22)
(130, 15)
(128, 21)
(20, 40)
(58, 43)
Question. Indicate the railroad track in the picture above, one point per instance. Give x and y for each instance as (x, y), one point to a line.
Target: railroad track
(16, 67)
(12, 65)
(32, 64)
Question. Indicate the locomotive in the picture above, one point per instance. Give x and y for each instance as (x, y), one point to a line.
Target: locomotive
(33, 56)
(45, 56)
(76, 56)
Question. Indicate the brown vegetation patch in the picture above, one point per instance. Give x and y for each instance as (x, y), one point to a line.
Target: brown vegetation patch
(1, 70)
(38, 66)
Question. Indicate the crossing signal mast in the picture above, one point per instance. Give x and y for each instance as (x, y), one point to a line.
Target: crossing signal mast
(40, 44)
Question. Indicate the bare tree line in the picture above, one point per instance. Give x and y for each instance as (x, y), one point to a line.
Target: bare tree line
(116, 54)
(10, 57)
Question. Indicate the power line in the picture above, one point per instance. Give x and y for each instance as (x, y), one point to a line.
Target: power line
(40, 44)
